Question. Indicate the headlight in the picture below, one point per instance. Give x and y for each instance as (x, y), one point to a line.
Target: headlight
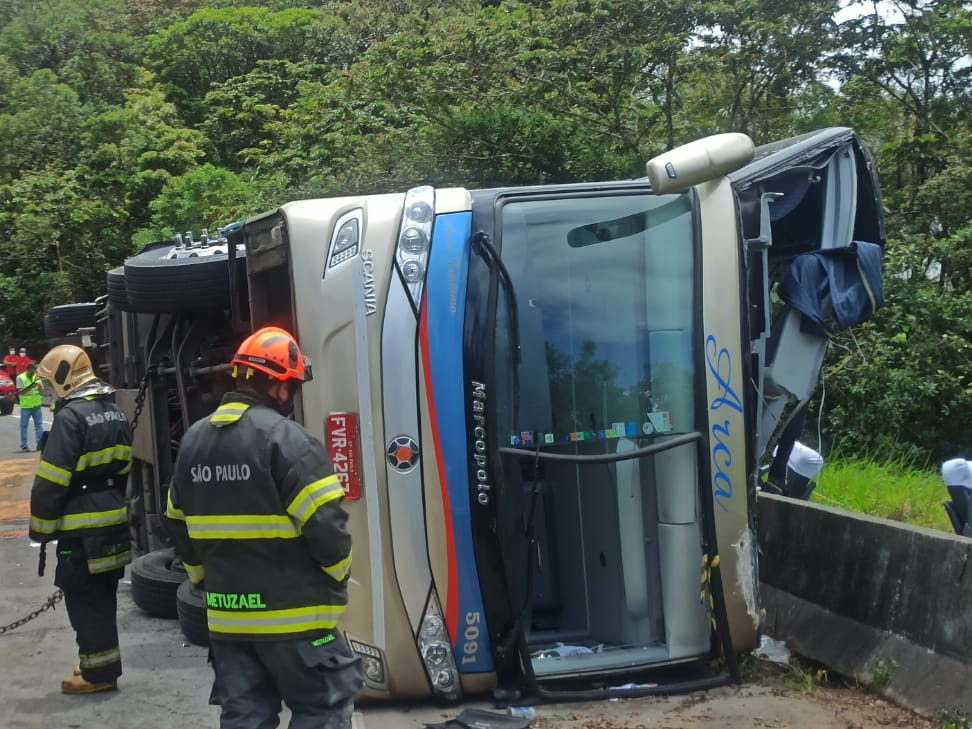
(419, 211)
(436, 651)
(436, 654)
(346, 240)
(414, 238)
(432, 626)
(413, 272)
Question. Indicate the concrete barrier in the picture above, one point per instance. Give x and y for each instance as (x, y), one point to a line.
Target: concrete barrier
(882, 602)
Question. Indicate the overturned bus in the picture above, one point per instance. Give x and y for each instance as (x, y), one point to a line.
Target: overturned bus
(548, 405)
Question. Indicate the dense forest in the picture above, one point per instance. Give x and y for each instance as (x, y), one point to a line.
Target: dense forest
(123, 121)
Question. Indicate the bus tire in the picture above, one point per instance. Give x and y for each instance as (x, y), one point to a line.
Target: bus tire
(6, 407)
(117, 293)
(67, 318)
(192, 614)
(156, 577)
(155, 284)
(74, 339)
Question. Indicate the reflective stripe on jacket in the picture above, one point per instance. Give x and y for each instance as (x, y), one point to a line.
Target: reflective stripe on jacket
(33, 398)
(79, 489)
(254, 509)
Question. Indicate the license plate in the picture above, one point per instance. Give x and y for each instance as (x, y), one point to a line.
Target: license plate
(342, 447)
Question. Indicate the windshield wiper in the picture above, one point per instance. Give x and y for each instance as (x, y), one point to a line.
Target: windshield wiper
(480, 243)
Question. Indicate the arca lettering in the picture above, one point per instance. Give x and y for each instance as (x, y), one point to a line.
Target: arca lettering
(719, 361)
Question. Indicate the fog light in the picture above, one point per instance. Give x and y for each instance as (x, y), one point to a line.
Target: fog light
(371, 662)
(373, 669)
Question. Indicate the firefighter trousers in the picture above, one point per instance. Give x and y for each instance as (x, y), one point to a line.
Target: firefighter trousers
(92, 604)
(317, 683)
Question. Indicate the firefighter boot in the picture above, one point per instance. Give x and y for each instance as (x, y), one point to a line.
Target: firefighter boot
(78, 685)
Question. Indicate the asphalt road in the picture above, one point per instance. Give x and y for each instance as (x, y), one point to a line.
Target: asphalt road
(166, 680)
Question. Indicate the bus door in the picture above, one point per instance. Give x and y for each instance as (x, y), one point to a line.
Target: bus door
(596, 398)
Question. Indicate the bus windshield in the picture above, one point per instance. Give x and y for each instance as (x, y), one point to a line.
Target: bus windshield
(606, 302)
(604, 288)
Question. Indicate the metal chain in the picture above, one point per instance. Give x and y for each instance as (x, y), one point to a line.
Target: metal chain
(49, 605)
(59, 595)
(140, 396)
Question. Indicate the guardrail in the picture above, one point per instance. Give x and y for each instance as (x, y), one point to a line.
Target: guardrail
(879, 601)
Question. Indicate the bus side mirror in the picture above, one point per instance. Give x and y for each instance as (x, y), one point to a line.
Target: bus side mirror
(699, 161)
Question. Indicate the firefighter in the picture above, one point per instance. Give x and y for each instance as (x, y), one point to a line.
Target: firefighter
(78, 499)
(255, 513)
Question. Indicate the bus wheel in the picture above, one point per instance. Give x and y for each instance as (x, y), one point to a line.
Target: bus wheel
(156, 284)
(67, 318)
(117, 294)
(192, 614)
(155, 578)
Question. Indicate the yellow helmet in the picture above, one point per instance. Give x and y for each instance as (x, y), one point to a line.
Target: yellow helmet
(66, 367)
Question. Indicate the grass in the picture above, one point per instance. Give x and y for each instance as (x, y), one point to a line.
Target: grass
(894, 491)
(954, 719)
(884, 672)
(798, 674)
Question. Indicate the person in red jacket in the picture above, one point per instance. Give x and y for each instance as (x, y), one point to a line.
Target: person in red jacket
(23, 360)
(10, 363)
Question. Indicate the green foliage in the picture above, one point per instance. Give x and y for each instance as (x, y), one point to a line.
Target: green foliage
(761, 63)
(203, 197)
(901, 384)
(133, 151)
(884, 672)
(125, 120)
(217, 44)
(40, 126)
(955, 719)
(243, 109)
(896, 490)
(797, 673)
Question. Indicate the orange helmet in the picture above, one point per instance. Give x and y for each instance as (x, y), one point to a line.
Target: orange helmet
(275, 352)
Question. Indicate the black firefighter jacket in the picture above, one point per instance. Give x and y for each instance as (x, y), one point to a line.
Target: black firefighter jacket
(254, 509)
(79, 489)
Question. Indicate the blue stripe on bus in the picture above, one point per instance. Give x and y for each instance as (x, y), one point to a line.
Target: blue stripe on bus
(445, 306)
